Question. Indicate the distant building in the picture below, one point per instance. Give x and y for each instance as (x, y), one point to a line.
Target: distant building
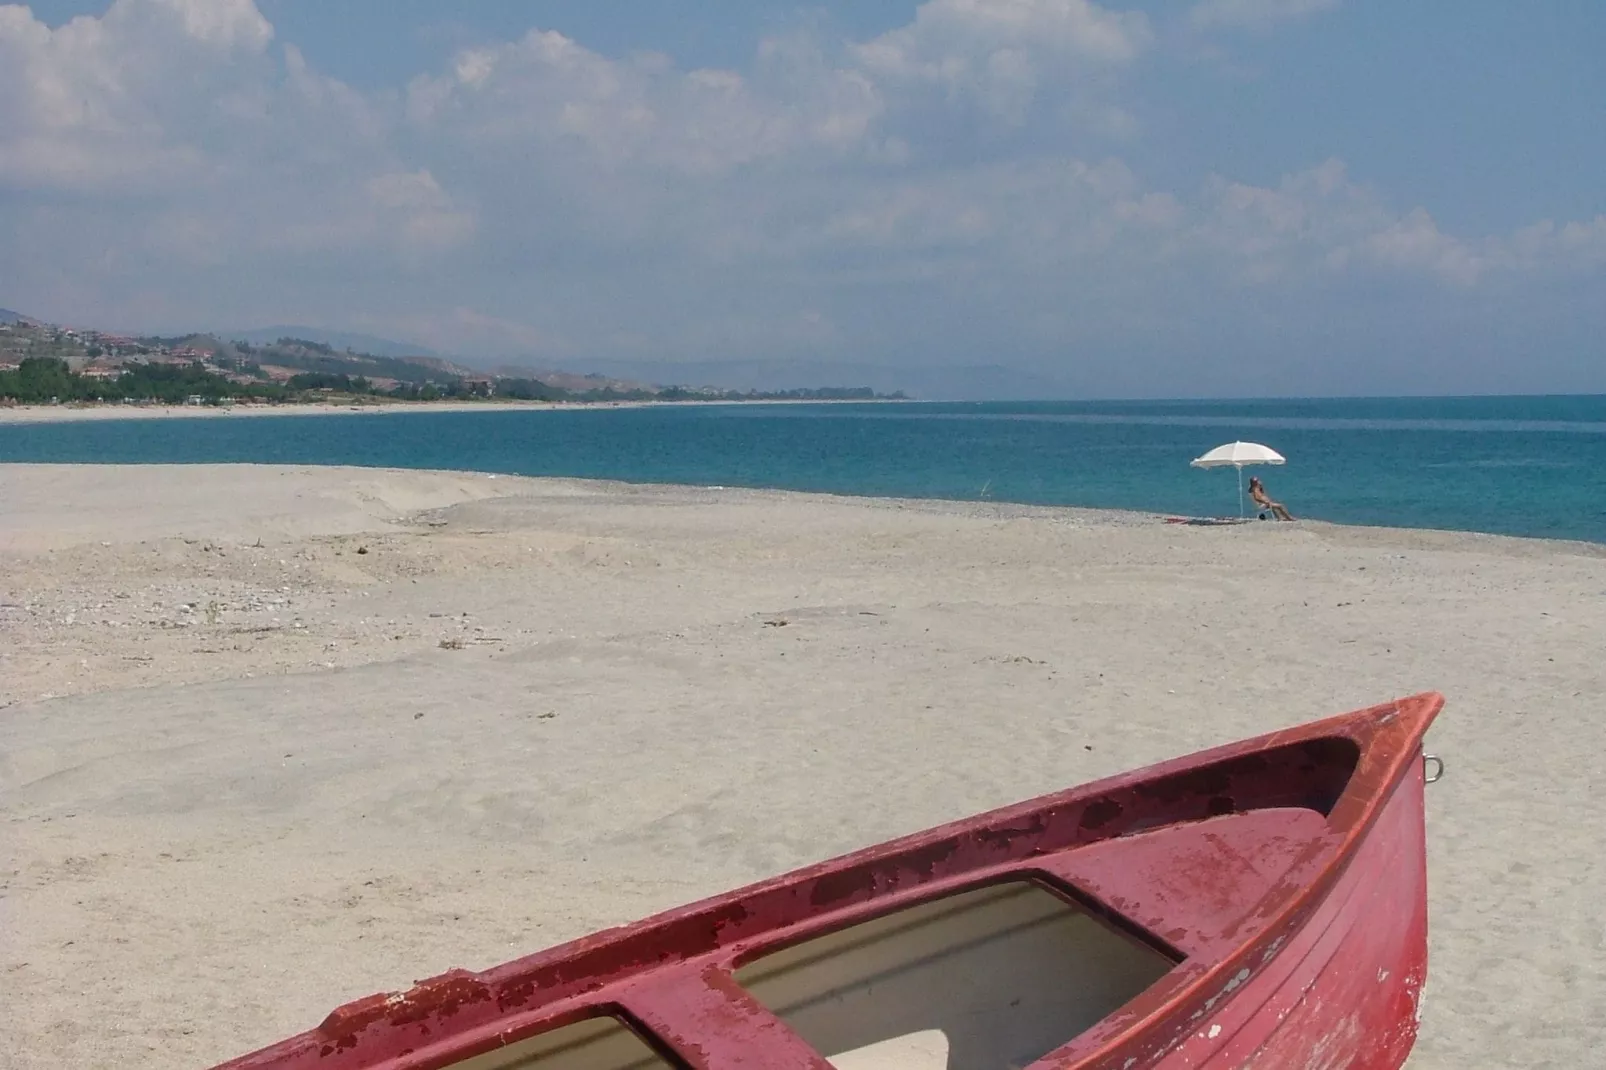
(102, 369)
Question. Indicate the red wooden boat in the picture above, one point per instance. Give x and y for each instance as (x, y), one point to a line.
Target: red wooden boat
(1258, 905)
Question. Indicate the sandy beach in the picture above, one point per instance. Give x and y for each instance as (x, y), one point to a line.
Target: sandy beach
(275, 738)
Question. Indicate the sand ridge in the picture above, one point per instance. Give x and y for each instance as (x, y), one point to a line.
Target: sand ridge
(314, 733)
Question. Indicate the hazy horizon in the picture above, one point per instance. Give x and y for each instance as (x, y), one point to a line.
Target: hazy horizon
(781, 375)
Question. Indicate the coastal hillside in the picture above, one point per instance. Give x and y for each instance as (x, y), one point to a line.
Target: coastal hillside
(44, 363)
(342, 340)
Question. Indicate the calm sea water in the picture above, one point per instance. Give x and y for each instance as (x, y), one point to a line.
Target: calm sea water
(1521, 466)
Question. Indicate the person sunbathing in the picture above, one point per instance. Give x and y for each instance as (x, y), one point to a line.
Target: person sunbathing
(1257, 491)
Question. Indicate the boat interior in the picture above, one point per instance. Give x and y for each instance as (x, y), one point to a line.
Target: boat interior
(987, 979)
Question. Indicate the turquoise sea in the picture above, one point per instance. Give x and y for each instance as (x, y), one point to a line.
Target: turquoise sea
(1514, 465)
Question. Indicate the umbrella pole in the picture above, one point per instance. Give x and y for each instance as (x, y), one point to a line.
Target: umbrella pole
(1240, 490)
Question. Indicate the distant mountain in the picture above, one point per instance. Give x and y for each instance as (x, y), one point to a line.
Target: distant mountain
(577, 381)
(8, 316)
(307, 355)
(966, 383)
(341, 340)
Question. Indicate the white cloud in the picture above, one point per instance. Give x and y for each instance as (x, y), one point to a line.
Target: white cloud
(1295, 228)
(96, 103)
(415, 208)
(536, 196)
(1255, 12)
(1318, 222)
(226, 24)
(546, 90)
(952, 34)
(1581, 243)
(1003, 52)
(1415, 242)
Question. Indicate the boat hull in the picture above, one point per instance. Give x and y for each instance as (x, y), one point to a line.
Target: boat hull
(1346, 992)
(1259, 906)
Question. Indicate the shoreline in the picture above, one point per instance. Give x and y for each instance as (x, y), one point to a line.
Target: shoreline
(56, 414)
(1111, 516)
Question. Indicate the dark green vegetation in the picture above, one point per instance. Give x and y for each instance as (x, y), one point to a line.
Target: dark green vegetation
(41, 380)
(45, 380)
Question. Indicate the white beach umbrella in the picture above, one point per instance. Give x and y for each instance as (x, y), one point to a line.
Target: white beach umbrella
(1238, 454)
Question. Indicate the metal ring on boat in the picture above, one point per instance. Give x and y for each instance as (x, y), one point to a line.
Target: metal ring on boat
(1436, 763)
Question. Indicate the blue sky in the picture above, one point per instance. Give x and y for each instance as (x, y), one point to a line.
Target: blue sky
(1183, 198)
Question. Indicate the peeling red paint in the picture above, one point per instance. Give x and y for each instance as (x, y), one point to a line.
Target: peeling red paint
(1285, 876)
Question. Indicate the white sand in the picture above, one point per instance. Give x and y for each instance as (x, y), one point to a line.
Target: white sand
(245, 783)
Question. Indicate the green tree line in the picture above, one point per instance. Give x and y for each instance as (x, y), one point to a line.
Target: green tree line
(39, 380)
